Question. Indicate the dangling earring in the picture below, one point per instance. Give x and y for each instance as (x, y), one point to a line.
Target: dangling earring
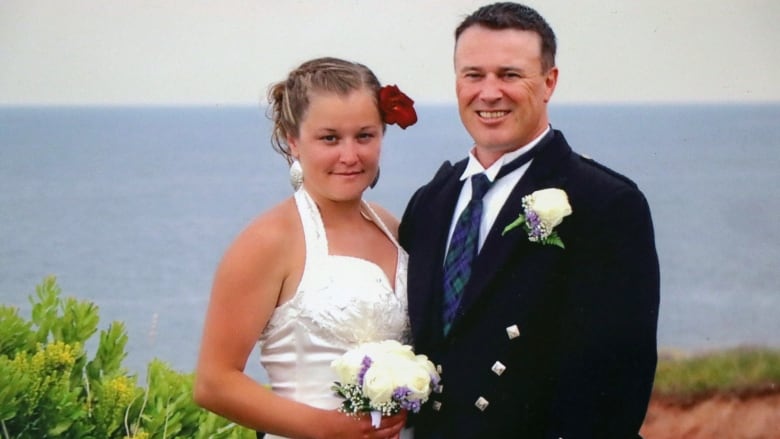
(296, 174)
(376, 179)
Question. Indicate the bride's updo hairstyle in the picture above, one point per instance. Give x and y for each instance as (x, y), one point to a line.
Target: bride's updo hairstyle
(289, 99)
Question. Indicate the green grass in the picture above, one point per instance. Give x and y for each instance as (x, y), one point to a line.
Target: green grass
(740, 372)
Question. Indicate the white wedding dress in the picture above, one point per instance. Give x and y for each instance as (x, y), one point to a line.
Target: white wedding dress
(341, 301)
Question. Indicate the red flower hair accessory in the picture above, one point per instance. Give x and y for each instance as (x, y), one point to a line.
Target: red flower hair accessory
(396, 107)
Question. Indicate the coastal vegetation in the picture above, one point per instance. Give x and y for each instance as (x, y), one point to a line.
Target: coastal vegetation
(50, 387)
(740, 372)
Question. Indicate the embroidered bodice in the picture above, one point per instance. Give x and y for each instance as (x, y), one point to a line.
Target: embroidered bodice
(341, 301)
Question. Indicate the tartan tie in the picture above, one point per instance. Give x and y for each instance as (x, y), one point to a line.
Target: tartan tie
(463, 249)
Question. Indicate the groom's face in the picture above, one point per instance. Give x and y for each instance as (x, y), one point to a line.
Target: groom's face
(502, 88)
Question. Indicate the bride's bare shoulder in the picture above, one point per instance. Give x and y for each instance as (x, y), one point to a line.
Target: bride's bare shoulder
(269, 233)
(388, 218)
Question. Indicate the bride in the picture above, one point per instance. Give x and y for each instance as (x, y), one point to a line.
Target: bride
(316, 275)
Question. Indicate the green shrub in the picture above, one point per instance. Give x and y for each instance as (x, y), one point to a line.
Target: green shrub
(50, 388)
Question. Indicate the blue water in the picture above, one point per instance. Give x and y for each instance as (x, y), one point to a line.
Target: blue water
(132, 207)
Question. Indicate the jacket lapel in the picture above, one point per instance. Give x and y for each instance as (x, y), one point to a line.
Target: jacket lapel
(425, 303)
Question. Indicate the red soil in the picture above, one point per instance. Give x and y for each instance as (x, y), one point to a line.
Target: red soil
(720, 416)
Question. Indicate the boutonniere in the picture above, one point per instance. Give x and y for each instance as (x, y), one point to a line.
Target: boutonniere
(542, 211)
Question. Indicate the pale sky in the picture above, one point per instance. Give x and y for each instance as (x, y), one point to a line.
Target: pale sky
(209, 52)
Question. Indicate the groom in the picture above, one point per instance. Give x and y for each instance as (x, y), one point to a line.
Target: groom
(546, 328)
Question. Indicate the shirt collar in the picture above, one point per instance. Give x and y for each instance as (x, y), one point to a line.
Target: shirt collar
(474, 167)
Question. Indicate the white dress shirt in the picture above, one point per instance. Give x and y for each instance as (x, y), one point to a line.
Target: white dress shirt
(497, 195)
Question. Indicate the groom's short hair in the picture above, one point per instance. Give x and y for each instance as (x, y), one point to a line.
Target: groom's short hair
(508, 15)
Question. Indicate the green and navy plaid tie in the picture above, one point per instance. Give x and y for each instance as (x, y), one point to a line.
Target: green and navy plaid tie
(463, 249)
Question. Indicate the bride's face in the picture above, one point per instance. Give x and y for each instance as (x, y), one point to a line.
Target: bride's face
(338, 144)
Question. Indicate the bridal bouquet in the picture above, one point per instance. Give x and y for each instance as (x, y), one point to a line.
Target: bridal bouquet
(382, 378)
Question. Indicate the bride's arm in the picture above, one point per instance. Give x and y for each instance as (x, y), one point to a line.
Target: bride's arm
(247, 285)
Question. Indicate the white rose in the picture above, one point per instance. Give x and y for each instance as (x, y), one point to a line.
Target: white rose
(551, 206)
(416, 378)
(348, 366)
(379, 382)
(393, 347)
(427, 365)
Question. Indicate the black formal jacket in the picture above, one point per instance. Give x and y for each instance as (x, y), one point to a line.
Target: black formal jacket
(583, 363)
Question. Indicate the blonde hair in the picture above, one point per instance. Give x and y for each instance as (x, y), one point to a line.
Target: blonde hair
(289, 99)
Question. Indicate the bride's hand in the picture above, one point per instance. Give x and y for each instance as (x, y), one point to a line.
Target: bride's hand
(394, 424)
(359, 427)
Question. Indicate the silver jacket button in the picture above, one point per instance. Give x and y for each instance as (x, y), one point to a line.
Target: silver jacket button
(498, 368)
(512, 331)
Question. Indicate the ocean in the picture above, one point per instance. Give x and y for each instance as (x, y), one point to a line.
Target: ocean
(132, 208)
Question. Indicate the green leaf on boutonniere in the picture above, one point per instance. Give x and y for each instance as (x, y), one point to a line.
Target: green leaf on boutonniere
(520, 221)
(553, 239)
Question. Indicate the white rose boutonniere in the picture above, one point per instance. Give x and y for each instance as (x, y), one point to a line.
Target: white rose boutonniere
(542, 211)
